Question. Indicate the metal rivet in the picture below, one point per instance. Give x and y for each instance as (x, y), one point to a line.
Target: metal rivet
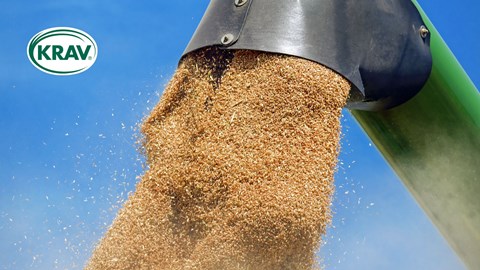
(424, 31)
(227, 39)
(240, 3)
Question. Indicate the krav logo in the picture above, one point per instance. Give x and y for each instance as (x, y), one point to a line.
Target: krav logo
(62, 51)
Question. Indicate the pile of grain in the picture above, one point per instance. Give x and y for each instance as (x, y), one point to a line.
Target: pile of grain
(241, 151)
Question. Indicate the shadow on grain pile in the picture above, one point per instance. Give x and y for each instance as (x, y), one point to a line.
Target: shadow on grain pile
(241, 149)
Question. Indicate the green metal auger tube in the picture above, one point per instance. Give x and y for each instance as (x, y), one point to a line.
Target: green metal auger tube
(433, 144)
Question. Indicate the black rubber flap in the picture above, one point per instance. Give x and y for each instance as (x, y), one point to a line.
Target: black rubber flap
(380, 46)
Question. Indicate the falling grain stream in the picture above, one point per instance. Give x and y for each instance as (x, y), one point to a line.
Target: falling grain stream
(241, 153)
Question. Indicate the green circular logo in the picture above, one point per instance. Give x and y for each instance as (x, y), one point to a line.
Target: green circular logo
(62, 51)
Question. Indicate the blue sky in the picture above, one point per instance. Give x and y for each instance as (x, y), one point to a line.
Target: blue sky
(68, 156)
